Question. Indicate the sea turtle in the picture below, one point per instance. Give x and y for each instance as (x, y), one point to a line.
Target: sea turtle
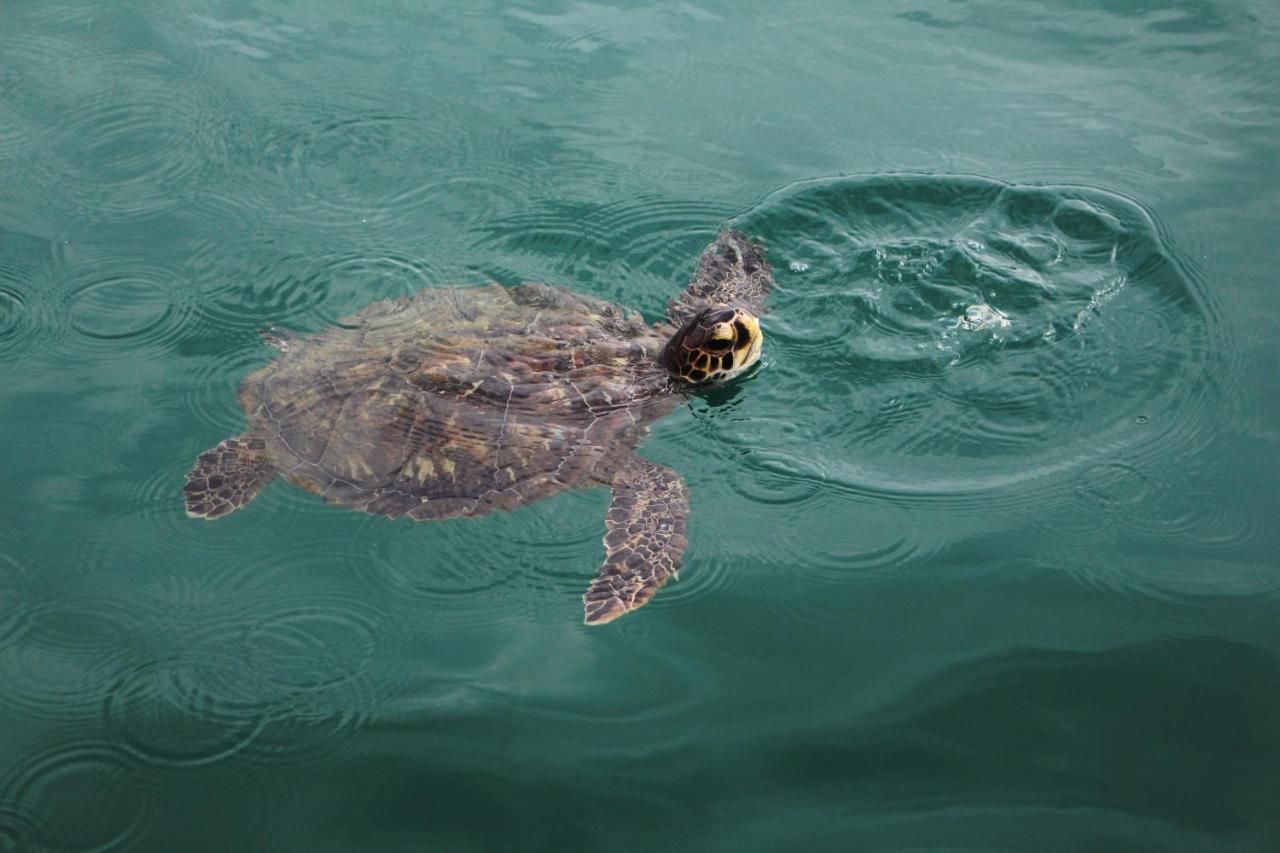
(457, 401)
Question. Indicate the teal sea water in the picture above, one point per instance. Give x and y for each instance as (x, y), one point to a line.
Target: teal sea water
(996, 583)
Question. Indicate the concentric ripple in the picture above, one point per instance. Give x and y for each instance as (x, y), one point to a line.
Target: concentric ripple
(948, 335)
(181, 713)
(65, 655)
(371, 164)
(83, 797)
(312, 659)
(20, 829)
(331, 157)
(305, 728)
(609, 248)
(1168, 506)
(303, 291)
(15, 589)
(881, 540)
(15, 141)
(438, 563)
(356, 280)
(15, 319)
(29, 307)
(315, 646)
(211, 393)
(127, 148)
(465, 197)
(134, 140)
(247, 672)
(134, 308)
(152, 500)
(536, 562)
(247, 289)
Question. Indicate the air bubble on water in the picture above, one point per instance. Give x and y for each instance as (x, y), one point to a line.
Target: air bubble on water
(982, 316)
(1142, 419)
(799, 266)
(1104, 295)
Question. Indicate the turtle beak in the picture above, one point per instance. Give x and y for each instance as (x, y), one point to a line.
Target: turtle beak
(748, 354)
(757, 337)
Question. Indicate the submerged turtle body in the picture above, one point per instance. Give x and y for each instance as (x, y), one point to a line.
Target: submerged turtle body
(457, 401)
(460, 400)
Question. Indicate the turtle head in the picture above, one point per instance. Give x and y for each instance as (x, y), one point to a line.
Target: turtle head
(713, 345)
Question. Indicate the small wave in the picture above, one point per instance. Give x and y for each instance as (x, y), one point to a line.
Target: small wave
(316, 645)
(438, 564)
(305, 729)
(20, 827)
(134, 308)
(609, 248)
(64, 654)
(16, 142)
(83, 797)
(313, 658)
(185, 713)
(364, 162)
(248, 671)
(1100, 324)
(303, 291)
(154, 502)
(213, 383)
(331, 156)
(244, 291)
(354, 281)
(27, 307)
(16, 590)
(1165, 505)
(15, 316)
(128, 135)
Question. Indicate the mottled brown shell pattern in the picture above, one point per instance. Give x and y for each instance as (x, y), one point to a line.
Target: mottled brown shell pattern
(460, 400)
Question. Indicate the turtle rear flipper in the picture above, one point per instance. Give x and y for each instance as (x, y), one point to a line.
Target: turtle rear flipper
(227, 477)
(645, 541)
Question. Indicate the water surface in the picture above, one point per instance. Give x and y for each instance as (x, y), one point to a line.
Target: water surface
(1003, 582)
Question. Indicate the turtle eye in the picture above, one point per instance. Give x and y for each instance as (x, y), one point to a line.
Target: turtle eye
(719, 344)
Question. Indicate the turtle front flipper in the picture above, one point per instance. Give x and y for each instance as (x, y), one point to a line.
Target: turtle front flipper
(645, 541)
(227, 477)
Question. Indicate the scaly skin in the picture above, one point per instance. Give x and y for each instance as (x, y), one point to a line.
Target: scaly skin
(458, 401)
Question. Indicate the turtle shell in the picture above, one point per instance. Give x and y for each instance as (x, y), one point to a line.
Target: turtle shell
(459, 400)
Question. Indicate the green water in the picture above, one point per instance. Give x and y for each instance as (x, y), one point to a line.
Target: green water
(1009, 588)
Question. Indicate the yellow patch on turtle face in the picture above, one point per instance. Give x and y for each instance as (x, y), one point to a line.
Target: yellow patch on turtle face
(715, 345)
